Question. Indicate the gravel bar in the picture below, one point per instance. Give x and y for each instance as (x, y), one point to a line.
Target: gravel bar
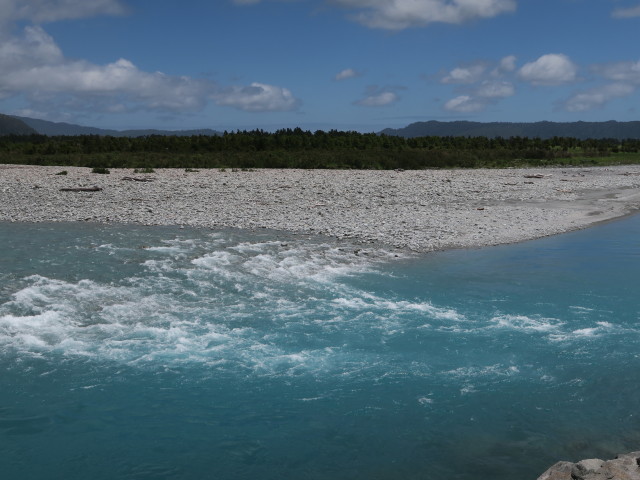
(420, 210)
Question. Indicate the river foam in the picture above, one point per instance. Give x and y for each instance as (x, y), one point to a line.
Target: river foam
(176, 352)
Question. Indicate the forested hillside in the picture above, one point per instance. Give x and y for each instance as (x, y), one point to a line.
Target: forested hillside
(297, 148)
(45, 127)
(13, 126)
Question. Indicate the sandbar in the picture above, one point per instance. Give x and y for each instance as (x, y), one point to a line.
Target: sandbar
(419, 210)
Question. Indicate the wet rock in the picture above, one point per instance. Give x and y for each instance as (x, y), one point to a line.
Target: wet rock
(559, 471)
(623, 467)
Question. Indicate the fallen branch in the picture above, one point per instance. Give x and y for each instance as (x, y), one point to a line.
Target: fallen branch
(81, 189)
(137, 179)
(536, 175)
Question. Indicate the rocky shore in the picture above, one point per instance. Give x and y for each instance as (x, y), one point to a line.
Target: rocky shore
(418, 210)
(623, 467)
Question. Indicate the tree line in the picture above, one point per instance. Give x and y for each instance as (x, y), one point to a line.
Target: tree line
(297, 148)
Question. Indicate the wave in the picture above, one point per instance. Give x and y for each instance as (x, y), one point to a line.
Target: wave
(263, 307)
(217, 302)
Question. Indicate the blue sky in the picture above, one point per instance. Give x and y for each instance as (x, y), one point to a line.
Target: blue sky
(318, 64)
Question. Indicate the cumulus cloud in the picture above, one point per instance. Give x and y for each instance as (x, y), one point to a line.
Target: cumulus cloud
(597, 97)
(34, 66)
(626, 12)
(42, 11)
(480, 84)
(465, 104)
(257, 97)
(495, 90)
(462, 75)
(550, 69)
(378, 97)
(401, 14)
(484, 84)
(624, 80)
(34, 48)
(487, 93)
(620, 71)
(506, 65)
(347, 73)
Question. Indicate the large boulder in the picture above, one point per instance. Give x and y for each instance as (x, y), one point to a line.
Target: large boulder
(623, 467)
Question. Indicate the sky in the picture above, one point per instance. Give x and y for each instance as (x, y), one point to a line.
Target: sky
(358, 65)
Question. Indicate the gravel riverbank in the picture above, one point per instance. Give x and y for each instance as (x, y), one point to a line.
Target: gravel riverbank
(420, 210)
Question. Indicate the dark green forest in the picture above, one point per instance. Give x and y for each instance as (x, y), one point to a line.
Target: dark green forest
(297, 148)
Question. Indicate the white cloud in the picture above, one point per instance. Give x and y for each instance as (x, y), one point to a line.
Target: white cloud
(378, 98)
(42, 11)
(347, 73)
(508, 63)
(505, 66)
(34, 66)
(620, 71)
(463, 75)
(481, 86)
(550, 69)
(465, 104)
(487, 93)
(34, 48)
(258, 97)
(401, 14)
(495, 90)
(626, 12)
(597, 97)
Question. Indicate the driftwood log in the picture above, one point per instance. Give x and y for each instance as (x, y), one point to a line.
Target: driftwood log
(81, 189)
(137, 179)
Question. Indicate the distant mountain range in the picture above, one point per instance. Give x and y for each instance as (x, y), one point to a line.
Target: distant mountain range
(44, 127)
(581, 130)
(13, 125)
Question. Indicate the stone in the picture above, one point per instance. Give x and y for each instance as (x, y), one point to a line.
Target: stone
(584, 468)
(559, 471)
(623, 467)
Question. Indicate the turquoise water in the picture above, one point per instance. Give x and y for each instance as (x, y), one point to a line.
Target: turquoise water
(161, 353)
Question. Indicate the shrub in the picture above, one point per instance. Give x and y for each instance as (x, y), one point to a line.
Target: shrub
(101, 170)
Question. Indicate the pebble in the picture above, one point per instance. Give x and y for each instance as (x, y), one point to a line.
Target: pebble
(420, 210)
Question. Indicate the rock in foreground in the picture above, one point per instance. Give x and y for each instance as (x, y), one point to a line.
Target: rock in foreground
(623, 467)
